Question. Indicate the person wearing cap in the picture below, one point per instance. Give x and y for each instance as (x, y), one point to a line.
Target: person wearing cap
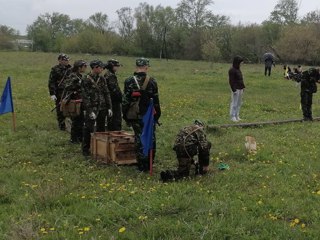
(139, 89)
(237, 87)
(190, 141)
(73, 92)
(56, 83)
(96, 102)
(115, 122)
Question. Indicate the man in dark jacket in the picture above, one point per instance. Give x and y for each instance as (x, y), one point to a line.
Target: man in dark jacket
(308, 80)
(138, 90)
(56, 85)
(268, 63)
(237, 87)
(114, 123)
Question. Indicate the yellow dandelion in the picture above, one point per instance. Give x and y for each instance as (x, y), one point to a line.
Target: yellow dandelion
(80, 232)
(296, 221)
(42, 229)
(52, 229)
(292, 224)
(303, 225)
(260, 202)
(318, 192)
(121, 230)
(86, 229)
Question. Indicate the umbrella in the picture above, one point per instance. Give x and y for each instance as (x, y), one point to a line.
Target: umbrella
(268, 56)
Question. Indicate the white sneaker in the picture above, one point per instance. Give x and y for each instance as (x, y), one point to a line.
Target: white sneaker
(239, 119)
(234, 119)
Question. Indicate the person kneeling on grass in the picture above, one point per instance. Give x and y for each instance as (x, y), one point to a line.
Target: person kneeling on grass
(190, 141)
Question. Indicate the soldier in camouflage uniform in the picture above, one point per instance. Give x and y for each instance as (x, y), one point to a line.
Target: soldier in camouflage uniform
(308, 80)
(73, 91)
(190, 141)
(140, 88)
(56, 84)
(96, 102)
(114, 123)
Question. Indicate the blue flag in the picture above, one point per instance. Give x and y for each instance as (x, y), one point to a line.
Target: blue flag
(6, 104)
(148, 128)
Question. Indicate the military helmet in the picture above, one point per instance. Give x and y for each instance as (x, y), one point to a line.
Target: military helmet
(63, 56)
(79, 63)
(199, 123)
(113, 62)
(96, 63)
(141, 62)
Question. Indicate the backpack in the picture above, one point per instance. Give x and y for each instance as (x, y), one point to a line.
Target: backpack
(134, 109)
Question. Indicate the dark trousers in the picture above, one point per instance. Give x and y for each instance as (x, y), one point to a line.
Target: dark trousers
(115, 122)
(267, 69)
(88, 128)
(76, 128)
(143, 161)
(60, 117)
(306, 104)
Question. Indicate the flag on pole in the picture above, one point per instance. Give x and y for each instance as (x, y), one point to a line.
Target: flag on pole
(6, 103)
(148, 128)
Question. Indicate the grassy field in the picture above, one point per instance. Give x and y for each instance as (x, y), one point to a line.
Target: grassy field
(49, 191)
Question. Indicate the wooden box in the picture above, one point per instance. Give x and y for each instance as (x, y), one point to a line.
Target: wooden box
(122, 148)
(113, 147)
(99, 147)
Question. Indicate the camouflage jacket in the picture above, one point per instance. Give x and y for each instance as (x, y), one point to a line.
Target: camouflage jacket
(73, 86)
(113, 85)
(191, 135)
(95, 93)
(151, 91)
(57, 78)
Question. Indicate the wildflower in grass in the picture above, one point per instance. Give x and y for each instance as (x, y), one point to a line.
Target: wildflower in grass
(260, 202)
(52, 229)
(86, 229)
(318, 192)
(296, 220)
(121, 230)
(43, 230)
(303, 225)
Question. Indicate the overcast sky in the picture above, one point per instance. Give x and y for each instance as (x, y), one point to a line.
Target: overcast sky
(20, 13)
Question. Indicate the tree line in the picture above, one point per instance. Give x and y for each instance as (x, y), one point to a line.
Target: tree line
(189, 31)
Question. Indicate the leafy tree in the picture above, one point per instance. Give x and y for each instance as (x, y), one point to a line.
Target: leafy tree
(311, 17)
(300, 44)
(246, 41)
(126, 21)
(285, 12)
(47, 29)
(100, 22)
(7, 35)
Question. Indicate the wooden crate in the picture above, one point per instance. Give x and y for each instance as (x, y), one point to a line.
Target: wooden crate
(113, 147)
(99, 147)
(122, 148)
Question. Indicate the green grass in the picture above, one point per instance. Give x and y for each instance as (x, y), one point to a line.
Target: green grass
(49, 191)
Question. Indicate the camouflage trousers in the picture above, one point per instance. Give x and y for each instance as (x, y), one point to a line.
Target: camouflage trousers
(60, 117)
(185, 160)
(89, 127)
(143, 161)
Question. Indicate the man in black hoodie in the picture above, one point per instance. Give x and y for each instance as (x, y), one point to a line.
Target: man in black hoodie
(237, 87)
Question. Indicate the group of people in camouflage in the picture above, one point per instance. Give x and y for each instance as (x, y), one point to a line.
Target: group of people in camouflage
(103, 101)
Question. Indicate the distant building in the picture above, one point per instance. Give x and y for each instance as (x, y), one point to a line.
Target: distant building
(24, 43)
